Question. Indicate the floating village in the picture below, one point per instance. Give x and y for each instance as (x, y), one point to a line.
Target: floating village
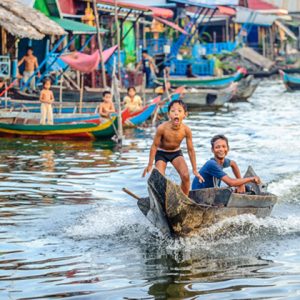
(200, 97)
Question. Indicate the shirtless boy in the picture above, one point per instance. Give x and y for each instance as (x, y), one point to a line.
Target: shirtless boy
(31, 63)
(166, 145)
(106, 107)
(46, 98)
(213, 173)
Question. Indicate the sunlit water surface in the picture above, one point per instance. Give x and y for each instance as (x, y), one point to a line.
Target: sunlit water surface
(68, 231)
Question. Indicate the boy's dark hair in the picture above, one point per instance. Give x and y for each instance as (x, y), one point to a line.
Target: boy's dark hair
(106, 93)
(219, 137)
(29, 48)
(47, 79)
(145, 51)
(180, 102)
(131, 87)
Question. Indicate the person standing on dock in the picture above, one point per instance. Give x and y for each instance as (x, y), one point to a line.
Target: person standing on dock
(46, 98)
(31, 64)
(166, 146)
(148, 67)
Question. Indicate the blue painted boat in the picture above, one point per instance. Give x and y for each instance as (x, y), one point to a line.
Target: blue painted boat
(291, 82)
(140, 117)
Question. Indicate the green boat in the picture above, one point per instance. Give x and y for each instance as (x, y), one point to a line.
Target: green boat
(205, 82)
(80, 131)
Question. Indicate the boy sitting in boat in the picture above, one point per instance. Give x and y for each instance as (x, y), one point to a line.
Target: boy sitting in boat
(166, 145)
(213, 173)
(46, 98)
(106, 107)
(132, 101)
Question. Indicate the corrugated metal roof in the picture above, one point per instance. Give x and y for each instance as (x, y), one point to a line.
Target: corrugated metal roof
(75, 27)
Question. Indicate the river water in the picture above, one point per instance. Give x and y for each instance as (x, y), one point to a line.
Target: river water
(68, 231)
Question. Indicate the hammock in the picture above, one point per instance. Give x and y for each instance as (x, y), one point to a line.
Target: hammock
(87, 63)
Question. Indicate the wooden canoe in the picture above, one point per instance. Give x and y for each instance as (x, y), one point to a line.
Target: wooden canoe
(209, 98)
(175, 214)
(291, 82)
(205, 82)
(139, 117)
(81, 131)
(245, 89)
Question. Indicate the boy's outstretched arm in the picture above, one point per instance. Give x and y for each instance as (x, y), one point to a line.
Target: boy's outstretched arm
(192, 154)
(153, 149)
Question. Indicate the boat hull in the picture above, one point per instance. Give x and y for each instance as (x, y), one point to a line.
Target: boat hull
(292, 83)
(81, 131)
(179, 215)
(204, 82)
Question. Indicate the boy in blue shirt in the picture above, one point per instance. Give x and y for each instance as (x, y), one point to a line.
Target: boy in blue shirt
(213, 173)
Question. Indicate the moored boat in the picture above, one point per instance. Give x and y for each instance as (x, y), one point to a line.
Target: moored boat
(245, 89)
(138, 118)
(205, 82)
(176, 214)
(91, 131)
(291, 82)
(209, 98)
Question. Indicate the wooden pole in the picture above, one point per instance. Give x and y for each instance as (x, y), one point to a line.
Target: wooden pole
(116, 93)
(119, 43)
(60, 93)
(99, 43)
(81, 93)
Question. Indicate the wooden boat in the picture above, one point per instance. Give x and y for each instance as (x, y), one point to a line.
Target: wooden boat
(263, 74)
(89, 94)
(209, 98)
(176, 214)
(245, 89)
(291, 82)
(140, 117)
(205, 82)
(66, 114)
(90, 131)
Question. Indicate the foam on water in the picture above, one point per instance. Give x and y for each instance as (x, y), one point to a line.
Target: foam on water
(107, 220)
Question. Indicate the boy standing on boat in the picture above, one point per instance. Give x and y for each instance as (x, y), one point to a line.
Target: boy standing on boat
(31, 64)
(46, 98)
(106, 106)
(166, 145)
(213, 173)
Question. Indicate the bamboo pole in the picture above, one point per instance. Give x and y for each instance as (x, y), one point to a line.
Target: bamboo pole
(99, 43)
(119, 43)
(81, 93)
(60, 93)
(116, 94)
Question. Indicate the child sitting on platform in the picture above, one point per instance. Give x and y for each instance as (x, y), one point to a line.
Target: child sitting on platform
(166, 145)
(132, 101)
(46, 98)
(106, 106)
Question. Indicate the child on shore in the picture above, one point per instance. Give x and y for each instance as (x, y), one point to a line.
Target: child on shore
(213, 173)
(106, 106)
(166, 145)
(46, 98)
